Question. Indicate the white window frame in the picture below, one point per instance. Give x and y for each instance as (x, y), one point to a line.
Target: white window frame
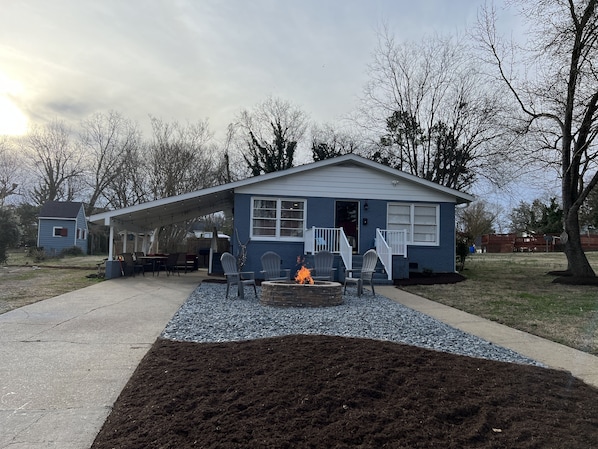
(54, 228)
(411, 226)
(278, 219)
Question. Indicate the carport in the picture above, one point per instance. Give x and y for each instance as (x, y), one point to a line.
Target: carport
(146, 218)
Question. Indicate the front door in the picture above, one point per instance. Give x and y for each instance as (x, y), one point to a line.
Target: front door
(347, 217)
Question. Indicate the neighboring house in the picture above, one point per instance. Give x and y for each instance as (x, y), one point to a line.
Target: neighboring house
(346, 205)
(62, 225)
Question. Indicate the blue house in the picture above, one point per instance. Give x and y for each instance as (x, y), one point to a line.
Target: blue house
(345, 205)
(62, 224)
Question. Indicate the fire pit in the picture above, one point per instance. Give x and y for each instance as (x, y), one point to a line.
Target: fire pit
(303, 292)
(293, 294)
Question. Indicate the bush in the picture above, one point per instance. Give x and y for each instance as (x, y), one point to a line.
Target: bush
(9, 236)
(462, 251)
(37, 253)
(73, 251)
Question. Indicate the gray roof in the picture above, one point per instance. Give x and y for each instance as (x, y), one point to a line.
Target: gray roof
(147, 216)
(60, 209)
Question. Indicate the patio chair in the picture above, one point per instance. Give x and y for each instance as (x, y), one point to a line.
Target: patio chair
(271, 268)
(323, 270)
(130, 267)
(144, 264)
(364, 274)
(178, 263)
(171, 264)
(236, 277)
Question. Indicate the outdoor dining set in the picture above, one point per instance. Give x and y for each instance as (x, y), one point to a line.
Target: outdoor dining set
(138, 262)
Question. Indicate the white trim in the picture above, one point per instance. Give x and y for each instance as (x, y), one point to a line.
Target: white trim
(412, 223)
(59, 227)
(277, 236)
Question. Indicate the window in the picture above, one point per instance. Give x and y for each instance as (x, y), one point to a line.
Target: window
(60, 232)
(276, 218)
(419, 220)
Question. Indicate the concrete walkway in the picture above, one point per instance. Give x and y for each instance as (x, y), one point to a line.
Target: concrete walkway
(65, 360)
(582, 365)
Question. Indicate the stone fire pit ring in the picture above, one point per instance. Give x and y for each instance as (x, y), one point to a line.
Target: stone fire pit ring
(293, 294)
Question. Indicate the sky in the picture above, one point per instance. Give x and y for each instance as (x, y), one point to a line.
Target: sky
(191, 60)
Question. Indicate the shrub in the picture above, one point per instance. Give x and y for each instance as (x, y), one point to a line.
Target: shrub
(37, 253)
(73, 251)
(9, 236)
(462, 251)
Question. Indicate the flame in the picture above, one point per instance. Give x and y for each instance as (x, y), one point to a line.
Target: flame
(304, 276)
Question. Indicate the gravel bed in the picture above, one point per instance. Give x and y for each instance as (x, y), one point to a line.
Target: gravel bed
(207, 316)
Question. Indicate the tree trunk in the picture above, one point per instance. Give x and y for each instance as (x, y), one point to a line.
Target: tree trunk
(577, 261)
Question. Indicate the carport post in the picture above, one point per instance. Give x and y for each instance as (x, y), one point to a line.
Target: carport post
(111, 245)
(125, 238)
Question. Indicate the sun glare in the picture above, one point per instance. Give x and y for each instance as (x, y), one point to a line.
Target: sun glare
(13, 121)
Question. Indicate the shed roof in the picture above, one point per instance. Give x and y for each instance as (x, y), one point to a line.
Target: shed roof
(60, 209)
(148, 216)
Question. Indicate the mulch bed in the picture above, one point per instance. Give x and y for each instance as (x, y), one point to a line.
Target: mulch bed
(337, 392)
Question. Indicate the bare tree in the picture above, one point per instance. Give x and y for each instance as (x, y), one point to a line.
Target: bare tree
(475, 220)
(10, 171)
(328, 142)
(180, 159)
(109, 142)
(434, 116)
(271, 133)
(556, 87)
(56, 163)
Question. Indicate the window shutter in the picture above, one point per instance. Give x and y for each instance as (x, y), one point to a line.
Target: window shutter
(64, 232)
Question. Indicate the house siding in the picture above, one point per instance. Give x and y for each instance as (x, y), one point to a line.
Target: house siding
(441, 258)
(82, 224)
(320, 212)
(348, 181)
(54, 245)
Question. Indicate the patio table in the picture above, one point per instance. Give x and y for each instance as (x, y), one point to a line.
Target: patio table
(154, 260)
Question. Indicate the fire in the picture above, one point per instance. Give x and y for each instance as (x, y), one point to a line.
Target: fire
(304, 276)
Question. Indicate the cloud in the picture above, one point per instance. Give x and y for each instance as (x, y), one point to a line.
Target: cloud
(191, 60)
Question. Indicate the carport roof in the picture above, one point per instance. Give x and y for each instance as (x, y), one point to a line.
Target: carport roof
(148, 216)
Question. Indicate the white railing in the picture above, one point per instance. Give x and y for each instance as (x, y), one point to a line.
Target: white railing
(346, 250)
(328, 239)
(388, 243)
(397, 240)
(384, 253)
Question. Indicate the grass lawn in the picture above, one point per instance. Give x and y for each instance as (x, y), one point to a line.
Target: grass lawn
(25, 281)
(515, 290)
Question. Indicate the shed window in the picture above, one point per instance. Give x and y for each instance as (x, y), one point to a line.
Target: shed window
(419, 220)
(60, 232)
(277, 218)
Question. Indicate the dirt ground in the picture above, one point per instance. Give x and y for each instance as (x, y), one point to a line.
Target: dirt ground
(337, 392)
